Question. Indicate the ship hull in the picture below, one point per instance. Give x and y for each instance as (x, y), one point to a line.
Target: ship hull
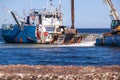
(16, 35)
(113, 40)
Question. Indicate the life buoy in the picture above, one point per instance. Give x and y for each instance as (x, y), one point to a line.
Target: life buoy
(45, 33)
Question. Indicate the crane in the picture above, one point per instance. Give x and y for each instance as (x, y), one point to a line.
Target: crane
(114, 15)
(14, 16)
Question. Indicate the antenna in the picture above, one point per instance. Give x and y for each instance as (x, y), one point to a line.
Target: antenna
(24, 13)
(51, 4)
(31, 4)
(60, 5)
(47, 4)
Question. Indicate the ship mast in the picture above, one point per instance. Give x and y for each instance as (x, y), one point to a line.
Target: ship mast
(60, 5)
(51, 6)
(72, 14)
(31, 4)
(114, 14)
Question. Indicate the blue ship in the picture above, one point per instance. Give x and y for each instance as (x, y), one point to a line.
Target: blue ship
(38, 27)
(42, 26)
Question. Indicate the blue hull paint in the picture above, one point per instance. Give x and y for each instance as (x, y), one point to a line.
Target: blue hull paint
(113, 40)
(15, 35)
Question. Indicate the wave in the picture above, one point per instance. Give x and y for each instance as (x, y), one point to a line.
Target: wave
(82, 44)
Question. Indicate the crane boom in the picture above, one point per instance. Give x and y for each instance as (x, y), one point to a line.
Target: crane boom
(114, 14)
(14, 16)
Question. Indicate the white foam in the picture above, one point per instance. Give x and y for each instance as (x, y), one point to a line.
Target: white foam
(82, 44)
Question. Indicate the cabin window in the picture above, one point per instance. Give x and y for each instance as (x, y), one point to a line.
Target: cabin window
(115, 23)
(49, 16)
(40, 19)
(50, 29)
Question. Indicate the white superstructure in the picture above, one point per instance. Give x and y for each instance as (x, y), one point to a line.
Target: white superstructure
(50, 18)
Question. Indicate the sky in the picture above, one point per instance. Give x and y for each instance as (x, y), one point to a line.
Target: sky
(88, 13)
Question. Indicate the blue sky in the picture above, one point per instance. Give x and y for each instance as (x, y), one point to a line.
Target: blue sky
(88, 13)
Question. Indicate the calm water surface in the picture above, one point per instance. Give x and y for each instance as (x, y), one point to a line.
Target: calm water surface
(36, 54)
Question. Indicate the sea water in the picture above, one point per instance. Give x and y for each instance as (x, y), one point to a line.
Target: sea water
(75, 54)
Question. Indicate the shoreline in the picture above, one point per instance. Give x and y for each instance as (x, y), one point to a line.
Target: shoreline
(41, 72)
